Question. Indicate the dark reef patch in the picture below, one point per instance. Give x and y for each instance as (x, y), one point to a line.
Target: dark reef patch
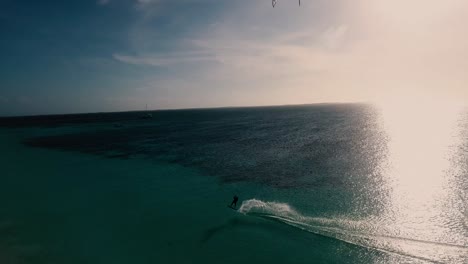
(290, 146)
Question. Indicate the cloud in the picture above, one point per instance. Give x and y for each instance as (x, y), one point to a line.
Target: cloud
(321, 51)
(164, 59)
(333, 36)
(269, 56)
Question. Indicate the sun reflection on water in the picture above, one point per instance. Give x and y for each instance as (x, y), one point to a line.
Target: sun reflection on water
(423, 177)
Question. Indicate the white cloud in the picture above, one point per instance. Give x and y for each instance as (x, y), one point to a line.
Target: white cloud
(334, 36)
(318, 52)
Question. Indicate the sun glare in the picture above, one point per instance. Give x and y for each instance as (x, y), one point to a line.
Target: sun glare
(420, 136)
(413, 13)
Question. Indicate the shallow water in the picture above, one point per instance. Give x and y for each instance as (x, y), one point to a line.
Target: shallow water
(345, 183)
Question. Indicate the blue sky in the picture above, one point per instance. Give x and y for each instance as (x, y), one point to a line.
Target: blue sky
(118, 55)
(58, 56)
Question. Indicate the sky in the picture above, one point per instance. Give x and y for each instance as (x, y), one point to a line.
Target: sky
(120, 55)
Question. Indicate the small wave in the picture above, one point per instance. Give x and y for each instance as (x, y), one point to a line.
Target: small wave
(354, 232)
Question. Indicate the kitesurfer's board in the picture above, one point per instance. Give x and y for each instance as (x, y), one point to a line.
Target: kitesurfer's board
(233, 208)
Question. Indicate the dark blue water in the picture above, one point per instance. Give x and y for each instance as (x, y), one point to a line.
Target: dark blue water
(318, 183)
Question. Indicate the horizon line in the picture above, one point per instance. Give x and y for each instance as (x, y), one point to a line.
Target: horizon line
(179, 109)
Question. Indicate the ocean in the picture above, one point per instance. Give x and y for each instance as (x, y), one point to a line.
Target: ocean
(325, 183)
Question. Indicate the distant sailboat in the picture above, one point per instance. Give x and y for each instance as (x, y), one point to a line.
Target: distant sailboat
(147, 115)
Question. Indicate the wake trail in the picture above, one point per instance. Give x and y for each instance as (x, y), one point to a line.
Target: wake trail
(357, 233)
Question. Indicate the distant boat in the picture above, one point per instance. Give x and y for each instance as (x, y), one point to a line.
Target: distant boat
(147, 115)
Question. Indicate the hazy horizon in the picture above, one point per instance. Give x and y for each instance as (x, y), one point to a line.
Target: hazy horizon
(193, 108)
(120, 55)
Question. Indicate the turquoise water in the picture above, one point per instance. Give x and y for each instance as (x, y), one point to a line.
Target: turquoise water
(317, 184)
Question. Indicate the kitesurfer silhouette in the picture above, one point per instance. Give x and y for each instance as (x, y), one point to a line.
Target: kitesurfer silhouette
(234, 200)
